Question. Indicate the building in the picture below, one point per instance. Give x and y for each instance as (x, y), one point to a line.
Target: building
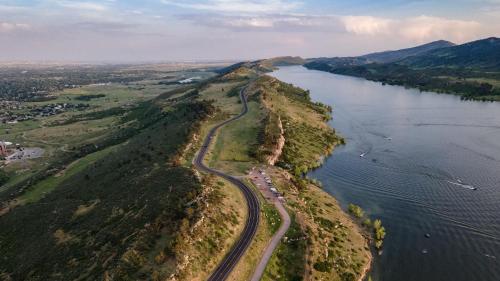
(3, 149)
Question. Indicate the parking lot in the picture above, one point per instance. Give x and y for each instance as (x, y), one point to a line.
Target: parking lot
(24, 154)
(265, 185)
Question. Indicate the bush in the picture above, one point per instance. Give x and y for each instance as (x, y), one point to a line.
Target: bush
(322, 266)
(4, 177)
(356, 211)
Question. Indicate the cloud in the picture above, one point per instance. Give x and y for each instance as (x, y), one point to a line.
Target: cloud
(366, 25)
(270, 22)
(423, 28)
(419, 29)
(87, 6)
(10, 27)
(104, 26)
(10, 9)
(237, 6)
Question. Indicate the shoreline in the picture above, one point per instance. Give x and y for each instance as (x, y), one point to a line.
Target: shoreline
(309, 161)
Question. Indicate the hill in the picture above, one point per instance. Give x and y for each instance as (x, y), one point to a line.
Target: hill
(283, 61)
(379, 57)
(393, 56)
(471, 70)
(482, 54)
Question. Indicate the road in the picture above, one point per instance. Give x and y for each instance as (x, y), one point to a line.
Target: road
(231, 259)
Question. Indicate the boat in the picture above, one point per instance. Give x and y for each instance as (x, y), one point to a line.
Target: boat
(362, 154)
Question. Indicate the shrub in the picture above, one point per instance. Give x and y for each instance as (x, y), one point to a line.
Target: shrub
(322, 266)
(356, 210)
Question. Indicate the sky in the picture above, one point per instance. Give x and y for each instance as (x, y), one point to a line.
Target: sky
(194, 30)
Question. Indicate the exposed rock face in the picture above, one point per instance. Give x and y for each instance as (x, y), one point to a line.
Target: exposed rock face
(275, 155)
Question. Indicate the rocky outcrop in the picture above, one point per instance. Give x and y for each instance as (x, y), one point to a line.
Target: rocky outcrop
(276, 153)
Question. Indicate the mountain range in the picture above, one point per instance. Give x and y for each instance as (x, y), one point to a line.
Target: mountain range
(471, 69)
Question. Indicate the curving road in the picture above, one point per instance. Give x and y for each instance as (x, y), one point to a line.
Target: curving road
(231, 259)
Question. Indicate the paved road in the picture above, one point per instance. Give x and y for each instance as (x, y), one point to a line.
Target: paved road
(231, 259)
(276, 239)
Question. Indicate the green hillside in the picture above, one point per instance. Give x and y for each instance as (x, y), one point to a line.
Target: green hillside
(471, 70)
(114, 214)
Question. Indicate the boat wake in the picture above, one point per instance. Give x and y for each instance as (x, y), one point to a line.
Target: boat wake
(461, 184)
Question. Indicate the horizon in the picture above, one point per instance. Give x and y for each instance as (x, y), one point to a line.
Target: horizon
(199, 61)
(231, 30)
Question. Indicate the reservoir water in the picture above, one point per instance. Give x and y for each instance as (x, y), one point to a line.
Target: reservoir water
(423, 163)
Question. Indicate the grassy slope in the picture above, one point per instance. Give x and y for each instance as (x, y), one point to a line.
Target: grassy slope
(133, 223)
(71, 130)
(307, 136)
(334, 246)
(469, 83)
(232, 152)
(317, 217)
(308, 139)
(115, 213)
(223, 220)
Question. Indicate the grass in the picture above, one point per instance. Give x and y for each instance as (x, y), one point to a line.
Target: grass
(71, 130)
(218, 93)
(72, 134)
(288, 260)
(138, 210)
(272, 217)
(308, 138)
(46, 186)
(215, 233)
(233, 148)
(231, 152)
(236, 143)
(327, 229)
(267, 226)
(107, 212)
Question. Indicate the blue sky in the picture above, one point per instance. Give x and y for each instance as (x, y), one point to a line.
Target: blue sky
(153, 30)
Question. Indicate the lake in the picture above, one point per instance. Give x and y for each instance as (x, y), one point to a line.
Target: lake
(431, 164)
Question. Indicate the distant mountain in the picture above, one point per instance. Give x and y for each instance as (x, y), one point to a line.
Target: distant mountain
(471, 70)
(379, 57)
(484, 54)
(282, 61)
(393, 56)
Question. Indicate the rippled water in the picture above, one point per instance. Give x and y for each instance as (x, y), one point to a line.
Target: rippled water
(424, 154)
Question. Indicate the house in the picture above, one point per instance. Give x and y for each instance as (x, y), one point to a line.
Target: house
(3, 149)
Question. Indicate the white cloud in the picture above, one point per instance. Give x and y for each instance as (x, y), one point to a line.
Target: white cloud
(235, 6)
(366, 25)
(10, 9)
(423, 28)
(270, 22)
(418, 29)
(87, 6)
(9, 27)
